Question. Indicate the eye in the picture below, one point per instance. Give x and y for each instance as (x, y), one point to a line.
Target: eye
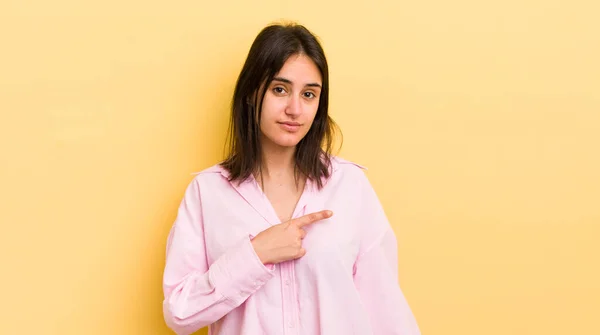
(279, 90)
(309, 95)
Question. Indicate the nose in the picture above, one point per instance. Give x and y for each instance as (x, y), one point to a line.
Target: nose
(294, 106)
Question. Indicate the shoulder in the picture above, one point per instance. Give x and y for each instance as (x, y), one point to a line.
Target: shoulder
(216, 171)
(341, 164)
(347, 171)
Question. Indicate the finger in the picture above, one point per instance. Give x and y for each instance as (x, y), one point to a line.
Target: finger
(302, 233)
(312, 218)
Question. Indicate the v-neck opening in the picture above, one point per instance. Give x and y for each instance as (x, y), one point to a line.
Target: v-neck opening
(302, 201)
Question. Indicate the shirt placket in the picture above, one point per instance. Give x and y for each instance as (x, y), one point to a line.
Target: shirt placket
(289, 291)
(288, 279)
(290, 309)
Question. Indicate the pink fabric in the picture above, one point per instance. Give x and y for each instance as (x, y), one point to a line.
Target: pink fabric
(347, 283)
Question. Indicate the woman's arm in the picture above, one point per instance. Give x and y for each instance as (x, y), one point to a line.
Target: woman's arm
(197, 295)
(376, 271)
(376, 278)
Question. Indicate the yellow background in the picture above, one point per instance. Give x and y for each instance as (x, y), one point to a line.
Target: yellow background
(479, 122)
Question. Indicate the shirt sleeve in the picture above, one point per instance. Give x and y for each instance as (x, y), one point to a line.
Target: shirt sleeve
(376, 273)
(196, 294)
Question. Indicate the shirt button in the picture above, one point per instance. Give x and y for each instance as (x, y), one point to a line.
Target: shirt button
(291, 325)
(287, 282)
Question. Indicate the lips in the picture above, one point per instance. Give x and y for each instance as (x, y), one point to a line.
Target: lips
(290, 126)
(290, 123)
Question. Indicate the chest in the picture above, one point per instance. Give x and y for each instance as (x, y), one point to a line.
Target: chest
(233, 215)
(283, 199)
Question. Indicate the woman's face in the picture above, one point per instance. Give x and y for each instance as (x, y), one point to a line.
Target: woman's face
(290, 102)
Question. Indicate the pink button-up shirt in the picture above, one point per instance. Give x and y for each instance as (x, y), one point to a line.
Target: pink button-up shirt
(347, 283)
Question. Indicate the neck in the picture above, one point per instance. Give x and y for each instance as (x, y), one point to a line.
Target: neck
(278, 162)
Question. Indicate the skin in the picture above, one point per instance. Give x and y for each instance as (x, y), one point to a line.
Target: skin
(288, 111)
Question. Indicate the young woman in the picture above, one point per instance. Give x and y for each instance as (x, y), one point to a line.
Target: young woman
(282, 237)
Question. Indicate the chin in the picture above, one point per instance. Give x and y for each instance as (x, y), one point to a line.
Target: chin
(286, 140)
(286, 143)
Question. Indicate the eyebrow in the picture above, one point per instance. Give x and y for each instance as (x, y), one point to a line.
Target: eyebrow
(287, 81)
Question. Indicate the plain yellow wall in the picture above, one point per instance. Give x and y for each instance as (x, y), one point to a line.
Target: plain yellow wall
(479, 122)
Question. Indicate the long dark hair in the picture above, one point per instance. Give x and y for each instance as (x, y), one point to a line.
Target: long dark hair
(267, 55)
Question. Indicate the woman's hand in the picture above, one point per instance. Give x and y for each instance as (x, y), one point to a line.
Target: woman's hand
(283, 242)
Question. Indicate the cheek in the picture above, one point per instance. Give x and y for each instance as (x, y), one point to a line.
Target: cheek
(312, 113)
(268, 112)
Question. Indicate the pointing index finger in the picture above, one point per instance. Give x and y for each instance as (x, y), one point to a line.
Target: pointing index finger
(312, 218)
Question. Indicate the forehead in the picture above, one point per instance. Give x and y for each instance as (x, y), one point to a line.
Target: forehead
(300, 69)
